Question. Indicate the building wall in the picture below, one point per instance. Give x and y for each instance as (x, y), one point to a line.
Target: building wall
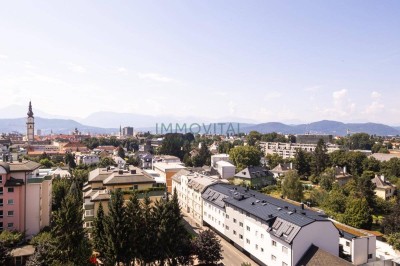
(311, 234)
(361, 247)
(33, 192)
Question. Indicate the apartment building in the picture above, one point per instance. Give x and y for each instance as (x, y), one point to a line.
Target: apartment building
(102, 181)
(25, 197)
(289, 150)
(189, 186)
(272, 231)
(166, 170)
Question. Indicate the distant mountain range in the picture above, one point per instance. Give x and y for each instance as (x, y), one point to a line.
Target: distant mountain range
(58, 126)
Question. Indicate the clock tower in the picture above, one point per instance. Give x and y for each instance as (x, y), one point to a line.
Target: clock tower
(30, 124)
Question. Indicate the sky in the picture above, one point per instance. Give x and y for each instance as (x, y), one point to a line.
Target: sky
(288, 61)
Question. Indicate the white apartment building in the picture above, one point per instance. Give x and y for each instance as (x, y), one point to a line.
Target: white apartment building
(189, 186)
(289, 150)
(272, 231)
(87, 159)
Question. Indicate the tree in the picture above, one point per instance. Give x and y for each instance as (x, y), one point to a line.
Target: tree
(394, 240)
(148, 237)
(327, 179)
(225, 147)
(172, 145)
(319, 158)
(391, 167)
(106, 161)
(59, 191)
(355, 162)
(116, 230)
(134, 228)
(391, 222)
(253, 137)
(360, 141)
(358, 214)
(4, 253)
(121, 152)
(244, 156)
(335, 203)
(11, 238)
(70, 160)
(44, 250)
(208, 247)
(302, 161)
(99, 232)
(273, 160)
(71, 244)
(46, 163)
(292, 187)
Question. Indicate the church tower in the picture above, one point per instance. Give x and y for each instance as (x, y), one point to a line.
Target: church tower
(30, 124)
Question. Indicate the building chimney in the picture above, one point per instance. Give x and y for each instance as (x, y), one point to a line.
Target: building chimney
(302, 206)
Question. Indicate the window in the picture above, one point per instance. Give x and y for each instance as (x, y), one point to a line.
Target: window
(369, 256)
(240, 236)
(234, 232)
(247, 241)
(10, 225)
(273, 258)
(347, 244)
(226, 227)
(10, 202)
(256, 233)
(248, 228)
(1, 202)
(274, 243)
(262, 250)
(1, 190)
(240, 224)
(135, 187)
(88, 224)
(262, 236)
(89, 213)
(284, 249)
(1, 214)
(1, 179)
(10, 189)
(10, 213)
(234, 220)
(256, 247)
(227, 216)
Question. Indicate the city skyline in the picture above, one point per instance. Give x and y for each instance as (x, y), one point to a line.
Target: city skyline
(266, 61)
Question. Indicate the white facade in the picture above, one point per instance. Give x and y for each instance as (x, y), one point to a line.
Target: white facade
(219, 157)
(225, 169)
(289, 150)
(87, 159)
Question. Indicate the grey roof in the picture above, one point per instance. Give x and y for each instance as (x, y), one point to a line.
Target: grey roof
(315, 256)
(6, 167)
(253, 172)
(177, 177)
(276, 212)
(24, 166)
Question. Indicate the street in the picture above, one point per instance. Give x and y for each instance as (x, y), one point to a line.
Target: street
(231, 255)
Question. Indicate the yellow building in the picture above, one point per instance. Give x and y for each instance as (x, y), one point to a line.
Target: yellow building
(102, 181)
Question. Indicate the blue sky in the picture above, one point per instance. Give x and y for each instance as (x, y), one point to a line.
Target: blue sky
(262, 60)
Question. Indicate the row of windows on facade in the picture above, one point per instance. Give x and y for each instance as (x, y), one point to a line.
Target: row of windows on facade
(9, 225)
(9, 190)
(9, 202)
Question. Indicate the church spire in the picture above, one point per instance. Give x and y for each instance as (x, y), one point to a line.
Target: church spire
(30, 113)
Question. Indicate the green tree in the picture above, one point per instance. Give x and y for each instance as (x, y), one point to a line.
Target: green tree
(394, 240)
(148, 237)
(60, 190)
(208, 247)
(360, 141)
(355, 162)
(116, 230)
(134, 228)
(319, 158)
(244, 156)
(106, 161)
(46, 163)
(225, 147)
(71, 244)
(335, 203)
(358, 214)
(70, 160)
(391, 222)
(273, 160)
(292, 187)
(172, 145)
(391, 167)
(11, 238)
(99, 232)
(4, 253)
(121, 152)
(253, 138)
(302, 161)
(327, 179)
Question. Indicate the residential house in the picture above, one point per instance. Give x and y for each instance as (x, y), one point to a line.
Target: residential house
(341, 175)
(272, 231)
(383, 188)
(189, 186)
(167, 170)
(254, 177)
(281, 169)
(87, 159)
(25, 197)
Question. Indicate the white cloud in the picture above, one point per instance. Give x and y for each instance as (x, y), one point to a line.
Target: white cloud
(76, 68)
(376, 95)
(374, 108)
(3, 56)
(122, 70)
(155, 77)
(342, 105)
(272, 95)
